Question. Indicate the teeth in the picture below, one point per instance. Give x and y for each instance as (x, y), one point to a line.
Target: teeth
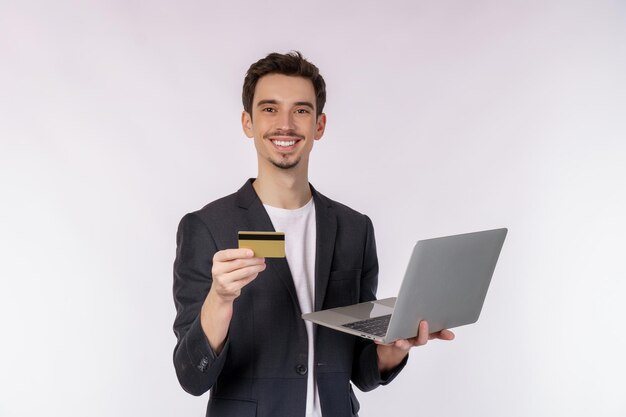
(284, 142)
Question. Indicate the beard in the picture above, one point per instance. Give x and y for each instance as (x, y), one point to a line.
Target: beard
(285, 164)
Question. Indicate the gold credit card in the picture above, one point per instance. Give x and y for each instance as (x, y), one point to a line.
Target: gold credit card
(264, 244)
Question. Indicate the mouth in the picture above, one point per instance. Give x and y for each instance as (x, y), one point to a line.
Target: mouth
(284, 144)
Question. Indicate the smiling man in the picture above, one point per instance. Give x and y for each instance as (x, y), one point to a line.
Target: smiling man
(238, 323)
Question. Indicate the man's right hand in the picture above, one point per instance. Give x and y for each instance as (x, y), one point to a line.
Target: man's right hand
(232, 270)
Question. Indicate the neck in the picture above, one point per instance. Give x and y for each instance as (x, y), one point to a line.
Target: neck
(283, 188)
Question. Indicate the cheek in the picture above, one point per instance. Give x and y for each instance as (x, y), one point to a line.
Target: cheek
(307, 126)
(259, 130)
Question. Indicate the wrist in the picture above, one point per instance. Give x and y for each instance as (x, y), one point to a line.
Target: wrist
(217, 301)
(215, 317)
(389, 357)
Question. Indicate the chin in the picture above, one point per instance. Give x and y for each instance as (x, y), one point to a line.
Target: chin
(286, 164)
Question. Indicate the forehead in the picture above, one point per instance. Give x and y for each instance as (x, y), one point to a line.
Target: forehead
(284, 89)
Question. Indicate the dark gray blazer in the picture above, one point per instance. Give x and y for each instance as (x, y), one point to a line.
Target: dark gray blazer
(262, 370)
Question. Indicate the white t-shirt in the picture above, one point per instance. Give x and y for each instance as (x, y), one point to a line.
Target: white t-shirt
(300, 238)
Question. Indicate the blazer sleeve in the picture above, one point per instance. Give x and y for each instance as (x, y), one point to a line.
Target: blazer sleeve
(197, 365)
(365, 373)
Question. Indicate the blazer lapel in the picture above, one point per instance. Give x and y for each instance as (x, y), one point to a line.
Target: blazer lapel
(257, 219)
(326, 223)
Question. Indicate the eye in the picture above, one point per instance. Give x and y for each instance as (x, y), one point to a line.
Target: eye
(268, 110)
(303, 111)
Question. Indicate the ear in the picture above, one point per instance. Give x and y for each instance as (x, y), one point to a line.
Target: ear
(320, 126)
(246, 124)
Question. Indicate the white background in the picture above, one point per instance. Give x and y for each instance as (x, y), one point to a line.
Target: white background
(118, 117)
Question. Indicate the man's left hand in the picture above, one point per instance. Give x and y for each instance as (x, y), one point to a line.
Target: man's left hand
(390, 356)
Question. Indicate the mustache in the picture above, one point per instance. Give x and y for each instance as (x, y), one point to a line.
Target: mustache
(290, 133)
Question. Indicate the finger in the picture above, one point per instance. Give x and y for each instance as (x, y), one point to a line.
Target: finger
(403, 344)
(422, 334)
(442, 334)
(235, 264)
(239, 274)
(446, 335)
(222, 268)
(236, 286)
(230, 254)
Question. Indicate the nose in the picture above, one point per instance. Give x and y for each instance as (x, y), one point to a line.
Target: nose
(285, 121)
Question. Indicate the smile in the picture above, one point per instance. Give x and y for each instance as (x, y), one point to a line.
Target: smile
(284, 143)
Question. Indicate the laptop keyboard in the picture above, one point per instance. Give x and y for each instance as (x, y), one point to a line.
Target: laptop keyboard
(376, 326)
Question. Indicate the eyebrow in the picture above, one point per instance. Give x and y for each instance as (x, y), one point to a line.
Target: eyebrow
(297, 103)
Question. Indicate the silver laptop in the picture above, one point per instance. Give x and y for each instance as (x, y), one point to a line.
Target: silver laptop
(445, 284)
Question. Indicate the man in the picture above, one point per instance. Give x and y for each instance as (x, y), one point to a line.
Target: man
(238, 322)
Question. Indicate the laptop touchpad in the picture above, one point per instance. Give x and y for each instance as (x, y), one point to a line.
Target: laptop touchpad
(366, 310)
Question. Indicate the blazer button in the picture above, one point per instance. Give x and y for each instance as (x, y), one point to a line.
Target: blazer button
(301, 369)
(203, 364)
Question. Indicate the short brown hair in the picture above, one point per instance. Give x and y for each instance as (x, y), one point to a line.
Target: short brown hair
(292, 63)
